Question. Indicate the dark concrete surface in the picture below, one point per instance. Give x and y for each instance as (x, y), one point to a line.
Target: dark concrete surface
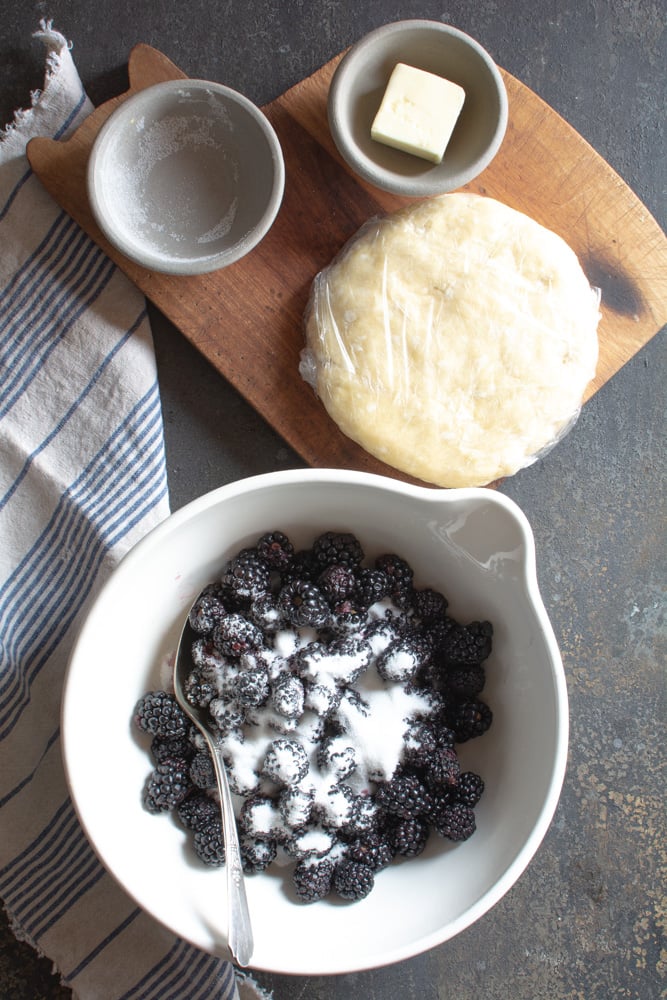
(587, 919)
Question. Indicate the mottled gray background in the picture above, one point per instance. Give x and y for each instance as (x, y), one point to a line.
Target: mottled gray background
(586, 921)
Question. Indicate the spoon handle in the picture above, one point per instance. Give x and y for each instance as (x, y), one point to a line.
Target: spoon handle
(240, 931)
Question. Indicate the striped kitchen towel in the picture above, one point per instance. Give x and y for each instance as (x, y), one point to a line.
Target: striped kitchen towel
(82, 478)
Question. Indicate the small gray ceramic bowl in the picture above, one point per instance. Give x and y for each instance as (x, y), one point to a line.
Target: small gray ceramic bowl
(358, 86)
(186, 177)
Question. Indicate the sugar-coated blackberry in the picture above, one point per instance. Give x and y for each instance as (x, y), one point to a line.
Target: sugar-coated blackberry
(400, 661)
(168, 785)
(408, 836)
(260, 817)
(159, 714)
(403, 795)
(469, 788)
(247, 574)
(399, 571)
(296, 806)
(470, 719)
(465, 644)
(287, 696)
(198, 688)
(303, 603)
(235, 635)
(253, 687)
(209, 846)
(206, 612)
(336, 756)
(352, 879)
(171, 746)
(338, 547)
(455, 822)
(312, 879)
(198, 810)
(228, 716)
(202, 771)
(373, 850)
(372, 585)
(265, 613)
(337, 582)
(286, 762)
(256, 854)
(276, 549)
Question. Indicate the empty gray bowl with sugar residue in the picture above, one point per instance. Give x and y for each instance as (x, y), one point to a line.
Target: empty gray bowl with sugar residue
(186, 177)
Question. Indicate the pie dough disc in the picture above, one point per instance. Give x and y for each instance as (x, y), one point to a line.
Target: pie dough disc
(453, 340)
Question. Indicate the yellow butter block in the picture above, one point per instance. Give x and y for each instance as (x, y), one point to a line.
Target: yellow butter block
(418, 112)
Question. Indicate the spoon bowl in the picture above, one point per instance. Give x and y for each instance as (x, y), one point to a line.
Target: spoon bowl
(239, 932)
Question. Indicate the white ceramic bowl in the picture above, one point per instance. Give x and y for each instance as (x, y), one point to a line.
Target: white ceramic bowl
(478, 547)
(359, 83)
(186, 176)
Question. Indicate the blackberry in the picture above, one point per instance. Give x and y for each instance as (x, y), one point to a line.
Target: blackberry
(373, 850)
(252, 686)
(256, 854)
(247, 575)
(408, 836)
(455, 822)
(469, 789)
(208, 844)
(373, 585)
(198, 811)
(287, 696)
(206, 657)
(159, 714)
(312, 879)
(310, 842)
(206, 612)
(303, 604)
(443, 769)
(466, 681)
(403, 795)
(337, 547)
(198, 688)
(364, 817)
(259, 817)
(202, 771)
(400, 573)
(352, 879)
(171, 746)
(168, 785)
(470, 719)
(430, 605)
(337, 582)
(286, 762)
(467, 644)
(304, 566)
(235, 635)
(348, 658)
(276, 549)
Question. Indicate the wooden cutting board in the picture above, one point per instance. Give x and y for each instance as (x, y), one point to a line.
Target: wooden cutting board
(247, 319)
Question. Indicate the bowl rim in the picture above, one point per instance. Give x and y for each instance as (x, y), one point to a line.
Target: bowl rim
(550, 795)
(430, 183)
(160, 262)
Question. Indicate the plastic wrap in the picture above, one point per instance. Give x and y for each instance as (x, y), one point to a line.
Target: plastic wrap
(453, 340)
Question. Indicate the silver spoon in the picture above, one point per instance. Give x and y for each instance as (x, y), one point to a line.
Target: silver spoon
(240, 938)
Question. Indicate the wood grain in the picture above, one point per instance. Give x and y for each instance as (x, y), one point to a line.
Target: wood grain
(247, 319)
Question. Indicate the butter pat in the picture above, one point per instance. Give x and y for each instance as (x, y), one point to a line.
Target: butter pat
(418, 112)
